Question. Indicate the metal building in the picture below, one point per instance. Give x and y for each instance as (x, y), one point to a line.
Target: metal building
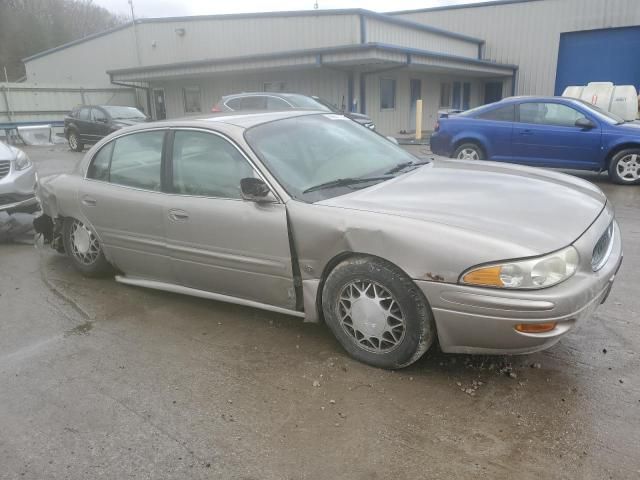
(379, 64)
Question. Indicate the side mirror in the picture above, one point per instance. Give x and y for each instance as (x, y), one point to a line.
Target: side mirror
(255, 190)
(585, 123)
(393, 140)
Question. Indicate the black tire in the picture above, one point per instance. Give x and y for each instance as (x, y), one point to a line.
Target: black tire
(474, 152)
(95, 264)
(624, 167)
(74, 141)
(419, 329)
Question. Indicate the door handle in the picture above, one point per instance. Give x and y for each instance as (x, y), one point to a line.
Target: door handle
(178, 215)
(89, 202)
(526, 132)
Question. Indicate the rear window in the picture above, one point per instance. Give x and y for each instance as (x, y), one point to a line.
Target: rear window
(502, 114)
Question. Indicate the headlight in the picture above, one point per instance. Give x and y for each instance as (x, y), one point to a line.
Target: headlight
(534, 273)
(22, 161)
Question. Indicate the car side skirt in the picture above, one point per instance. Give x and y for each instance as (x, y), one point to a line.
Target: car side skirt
(170, 287)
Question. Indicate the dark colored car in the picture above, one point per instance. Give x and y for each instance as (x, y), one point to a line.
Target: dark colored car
(90, 123)
(256, 101)
(545, 132)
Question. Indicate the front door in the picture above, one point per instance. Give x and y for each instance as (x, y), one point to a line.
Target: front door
(415, 94)
(158, 103)
(218, 241)
(122, 200)
(545, 134)
(100, 126)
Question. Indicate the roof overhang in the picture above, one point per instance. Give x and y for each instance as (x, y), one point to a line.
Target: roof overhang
(360, 57)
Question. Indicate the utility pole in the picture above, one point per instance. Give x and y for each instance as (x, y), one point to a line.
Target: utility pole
(135, 32)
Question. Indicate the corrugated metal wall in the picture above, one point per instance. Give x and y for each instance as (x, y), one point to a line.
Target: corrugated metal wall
(528, 34)
(28, 102)
(328, 84)
(385, 32)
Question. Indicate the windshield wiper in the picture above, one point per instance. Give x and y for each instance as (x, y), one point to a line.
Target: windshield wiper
(403, 165)
(344, 182)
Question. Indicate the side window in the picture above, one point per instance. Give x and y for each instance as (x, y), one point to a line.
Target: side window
(554, 114)
(445, 95)
(274, 103)
(234, 104)
(98, 115)
(503, 114)
(99, 168)
(207, 165)
(84, 114)
(255, 102)
(136, 160)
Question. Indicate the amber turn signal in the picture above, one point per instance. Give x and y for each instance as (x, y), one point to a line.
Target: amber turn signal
(489, 277)
(536, 327)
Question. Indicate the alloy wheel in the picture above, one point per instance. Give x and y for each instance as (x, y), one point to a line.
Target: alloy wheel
(84, 244)
(468, 154)
(73, 141)
(371, 316)
(628, 167)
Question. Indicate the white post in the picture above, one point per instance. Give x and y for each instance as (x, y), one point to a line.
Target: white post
(419, 119)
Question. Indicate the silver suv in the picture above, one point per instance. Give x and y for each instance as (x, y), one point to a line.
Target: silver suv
(17, 181)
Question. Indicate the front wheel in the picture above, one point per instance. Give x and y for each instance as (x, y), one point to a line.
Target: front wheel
(74, 142)
(377, 313)
(624, 167)
(468, 151)
(84, 249)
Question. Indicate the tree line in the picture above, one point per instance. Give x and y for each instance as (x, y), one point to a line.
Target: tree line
(31, 26)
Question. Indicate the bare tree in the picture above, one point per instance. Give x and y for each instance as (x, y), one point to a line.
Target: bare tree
(30, 26)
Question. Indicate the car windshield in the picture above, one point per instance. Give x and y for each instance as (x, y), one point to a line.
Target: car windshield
(302, 101)
(124, 113)
(602, 114)
(322, 156)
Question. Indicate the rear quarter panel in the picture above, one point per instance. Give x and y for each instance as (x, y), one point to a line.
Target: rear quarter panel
(494, 137)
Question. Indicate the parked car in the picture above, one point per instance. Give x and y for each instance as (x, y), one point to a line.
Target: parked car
(254, 101)
(307, 214)
(544, 132)
(90, 123)
(17, 181)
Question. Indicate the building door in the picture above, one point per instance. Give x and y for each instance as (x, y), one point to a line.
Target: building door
(492, 92)
(415, 94)
(158, 103)
(466, 95)
(455, 101)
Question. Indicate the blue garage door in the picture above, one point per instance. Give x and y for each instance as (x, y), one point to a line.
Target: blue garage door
(610, 55)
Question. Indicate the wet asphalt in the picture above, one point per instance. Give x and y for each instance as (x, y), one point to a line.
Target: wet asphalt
(102, 380)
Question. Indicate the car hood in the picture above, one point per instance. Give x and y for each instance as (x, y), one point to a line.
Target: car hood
(537, 209)
(7, 152)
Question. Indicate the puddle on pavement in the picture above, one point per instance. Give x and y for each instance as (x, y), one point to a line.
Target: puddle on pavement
(82, 329)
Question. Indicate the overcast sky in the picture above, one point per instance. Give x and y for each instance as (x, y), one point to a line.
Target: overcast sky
(164, 8)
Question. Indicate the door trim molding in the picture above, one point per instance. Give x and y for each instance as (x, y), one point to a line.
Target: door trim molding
(170, 287)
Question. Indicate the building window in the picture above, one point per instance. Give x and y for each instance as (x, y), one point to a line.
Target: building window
(445, 95)
(274, 87)
(192, 100)
(387, 93)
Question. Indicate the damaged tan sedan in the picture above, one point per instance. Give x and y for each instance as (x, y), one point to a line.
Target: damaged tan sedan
(312, 215)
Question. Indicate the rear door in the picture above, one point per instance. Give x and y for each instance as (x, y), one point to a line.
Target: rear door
(218, 241)
(123, 200)
(84, 123)
(546, 135)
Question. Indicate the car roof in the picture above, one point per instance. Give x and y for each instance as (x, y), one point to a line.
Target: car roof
(534, 98)
(269, 94)
(245, 119)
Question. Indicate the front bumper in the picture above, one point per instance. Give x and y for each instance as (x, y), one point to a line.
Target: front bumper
(482, 320)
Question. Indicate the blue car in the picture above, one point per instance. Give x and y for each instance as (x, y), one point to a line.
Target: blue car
(544, 132)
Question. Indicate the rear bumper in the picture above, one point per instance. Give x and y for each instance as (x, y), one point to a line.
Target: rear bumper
(439, 145)
(483, 320)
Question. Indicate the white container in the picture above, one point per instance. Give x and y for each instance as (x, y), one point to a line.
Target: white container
(621, 100)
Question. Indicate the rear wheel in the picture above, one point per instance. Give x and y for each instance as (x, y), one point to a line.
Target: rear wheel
(624, 167)
(84, 249)
(468, 151)
(74, 142)
(377, 313)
